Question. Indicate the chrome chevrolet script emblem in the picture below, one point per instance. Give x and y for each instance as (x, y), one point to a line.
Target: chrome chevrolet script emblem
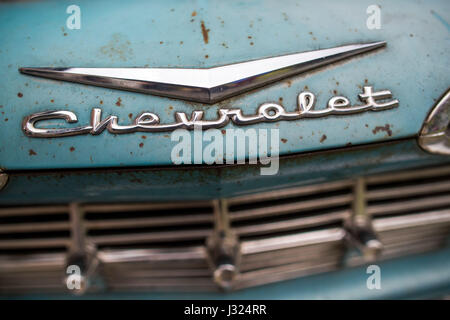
(149, 122)
(209, 86)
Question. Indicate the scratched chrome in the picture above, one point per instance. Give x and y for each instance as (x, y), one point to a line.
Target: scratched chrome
(435, 134)
(267, 112)
(208, 85)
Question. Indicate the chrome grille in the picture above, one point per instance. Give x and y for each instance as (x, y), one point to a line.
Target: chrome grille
(281, 234)
(131, 224)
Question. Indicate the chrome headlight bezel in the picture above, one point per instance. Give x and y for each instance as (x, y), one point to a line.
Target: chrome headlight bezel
(434, 136)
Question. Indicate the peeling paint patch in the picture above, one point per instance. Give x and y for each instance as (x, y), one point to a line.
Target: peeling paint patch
(324, 137)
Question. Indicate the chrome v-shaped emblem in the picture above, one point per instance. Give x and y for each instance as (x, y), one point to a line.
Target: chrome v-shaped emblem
(207, 85)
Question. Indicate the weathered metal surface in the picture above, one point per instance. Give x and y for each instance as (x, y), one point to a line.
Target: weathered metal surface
(428, 277)
(206, 182)
(414, 66)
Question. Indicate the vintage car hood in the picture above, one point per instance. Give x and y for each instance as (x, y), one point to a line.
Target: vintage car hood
(414, 66)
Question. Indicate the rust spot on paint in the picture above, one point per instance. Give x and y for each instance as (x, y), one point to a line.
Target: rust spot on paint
(141, 145)
(386, 128)
(283, 140)
(130, 115)
(72, 149)
(101, 101)
(31, 152)
(20, 94)
(324, 137)
(144, 137)
(206, 56)
(194, 13)
(223, 131)
(119, 102)
(6, 119)
(52, 101)
(117, 48)
(205, 32)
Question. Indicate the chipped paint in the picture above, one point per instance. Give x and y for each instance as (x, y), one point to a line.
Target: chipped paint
(386, 128)
(205, 32)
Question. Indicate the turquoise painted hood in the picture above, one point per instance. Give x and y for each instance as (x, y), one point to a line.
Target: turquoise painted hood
(414, 67)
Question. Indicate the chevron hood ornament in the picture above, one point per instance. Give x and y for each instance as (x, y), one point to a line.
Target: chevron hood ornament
(206, 85)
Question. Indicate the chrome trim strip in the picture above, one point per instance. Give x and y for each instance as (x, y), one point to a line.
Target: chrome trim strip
(207, 85)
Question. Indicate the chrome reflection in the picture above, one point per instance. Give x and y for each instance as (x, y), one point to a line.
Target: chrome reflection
(208, 85)
(435, 134)
(267, 112)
